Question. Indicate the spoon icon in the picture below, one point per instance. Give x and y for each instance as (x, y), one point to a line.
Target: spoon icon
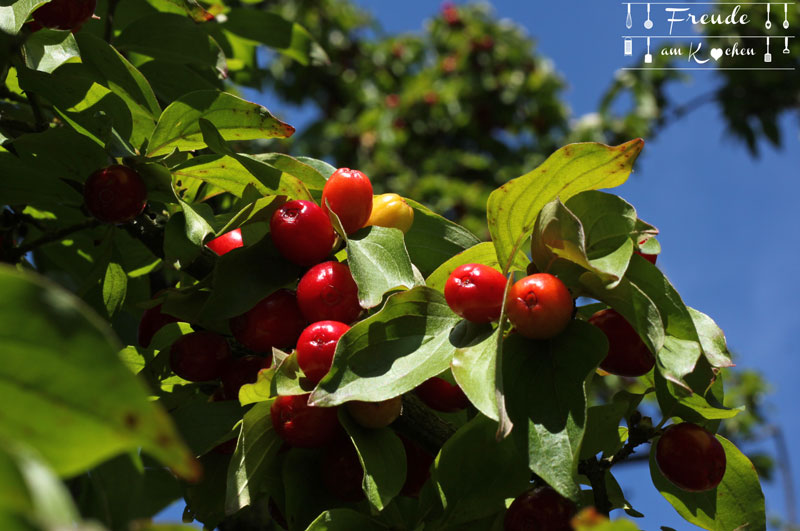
(768, 25)
(648, 24)
(629, 20)
(785, 16)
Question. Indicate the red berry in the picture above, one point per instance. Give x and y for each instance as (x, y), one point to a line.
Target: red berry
(627, 353)
(349, 193)
(316, 346)
(242, 371)
(475, 292)
(649, 257)
(327, 292)
(275, 321)
(691, 457)
(542, 509)
(342, 473)
(302, 425)
(199, 356)
(65, 14)
(302, 232)
(418, 467)
(115, 194)
(441, 395)
(375, 415)
(153, 320)
(226, 242)
(539, 306)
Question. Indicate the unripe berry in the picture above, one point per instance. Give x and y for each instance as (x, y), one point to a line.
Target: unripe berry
(392, 211)
(375, 415)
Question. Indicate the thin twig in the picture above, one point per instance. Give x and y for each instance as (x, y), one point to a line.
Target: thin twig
(54, 236)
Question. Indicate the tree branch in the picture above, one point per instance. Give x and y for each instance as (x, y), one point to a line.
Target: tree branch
(422, 425)
(54, 236)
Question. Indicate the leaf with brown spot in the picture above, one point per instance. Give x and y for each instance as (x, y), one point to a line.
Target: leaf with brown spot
(570, 170)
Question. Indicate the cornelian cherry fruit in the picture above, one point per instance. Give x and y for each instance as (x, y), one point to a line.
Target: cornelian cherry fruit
(302, 232)
(227, 242)
(199, 356)
(690, 457)
(316, 346)
(327, 292)
(475, 292)
(115, 194)
(441, 395)
(275, 321)
(349, 194)
(242, 371)
(301, 425)
(541, 508)
(627, 353)
(539, 306)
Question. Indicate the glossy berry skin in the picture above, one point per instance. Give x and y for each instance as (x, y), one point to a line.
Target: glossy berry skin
(349, 194)
(115, 194)
(301, 425)
(690, 457)
(199, 356)
(392, 211)
(316, 346)
(542, 509)
(153, 320)
(375, 415)
(242, 371)
(227, 242)
(342, 473)
(65, 14)
(275, 321)
(627, 353)
(475, 292)
(539, 306)
(649, 257)
(327, 292)
(418, 467)
(441, 395)
(302, 232)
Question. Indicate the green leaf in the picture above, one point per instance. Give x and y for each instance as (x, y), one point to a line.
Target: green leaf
(198, 222)
(115, 287)
(715, 347)
(701, 403)
(482, 253)
(236, 119)
(432, 239)
(392, 351)
(171, 37)
(205, 424)
(24, 185)
(62, 373)
(206, 498)
(382, 457)
(344, 520)
(474, 367)
(258, 391)
(289, 379)
(254, 465)
(300, 167)
(602, 429)
(379, 262)
(243, 277)
(31, 492)
(271, 179)
(305, 494)
(48, 49)
(512, 209)
(545, 394)
(291, 39)
(59, 152)
(14, 16)
(736, 503)
(475, 473)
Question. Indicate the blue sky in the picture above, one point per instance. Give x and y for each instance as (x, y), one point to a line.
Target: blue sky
(726, 219)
